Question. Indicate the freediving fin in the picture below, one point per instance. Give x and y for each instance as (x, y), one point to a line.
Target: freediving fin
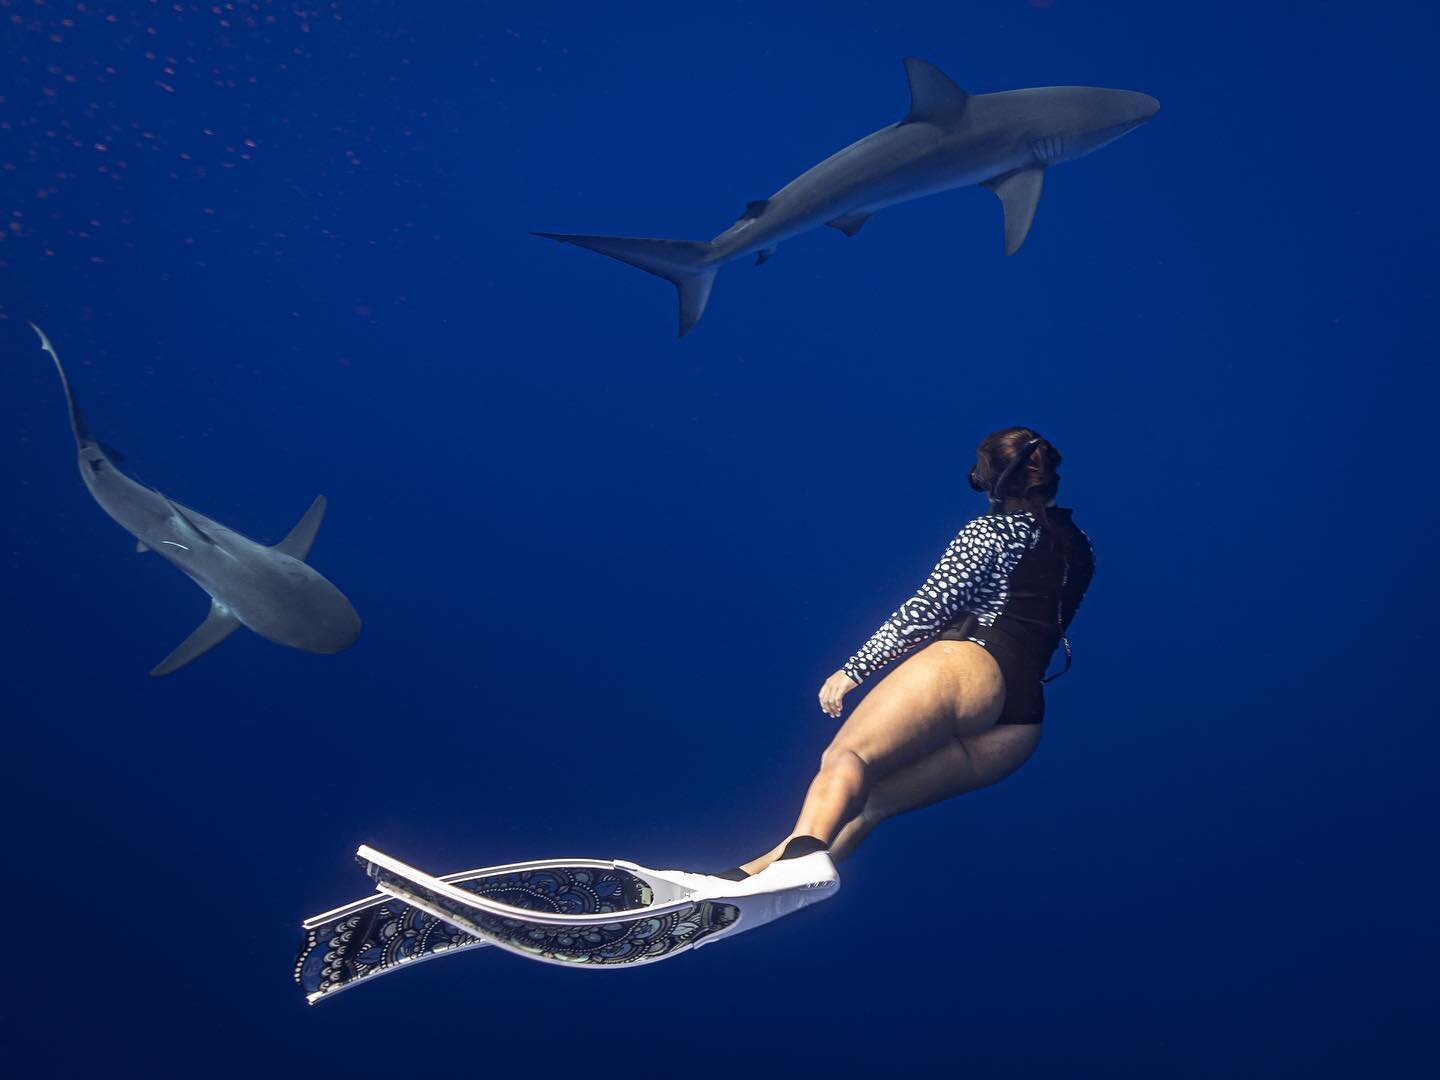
(671, 912)
(297, 544)
(218, 625)
(1019, 194)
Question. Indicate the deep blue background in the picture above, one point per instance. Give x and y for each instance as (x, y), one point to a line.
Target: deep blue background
(284, 251)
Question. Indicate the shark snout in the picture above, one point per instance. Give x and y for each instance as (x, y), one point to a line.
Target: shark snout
(1143, 106)
(337, 632)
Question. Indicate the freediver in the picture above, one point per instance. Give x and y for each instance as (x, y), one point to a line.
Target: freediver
(963, 710)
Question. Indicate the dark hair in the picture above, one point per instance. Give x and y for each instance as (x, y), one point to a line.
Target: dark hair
(1034, 483)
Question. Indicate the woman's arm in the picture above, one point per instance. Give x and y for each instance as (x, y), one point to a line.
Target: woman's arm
(967, 562)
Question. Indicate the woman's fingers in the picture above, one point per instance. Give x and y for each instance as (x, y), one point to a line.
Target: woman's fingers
(832, 694)
(827, 699)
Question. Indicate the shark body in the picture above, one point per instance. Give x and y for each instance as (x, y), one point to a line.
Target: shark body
(270, 590)
(949, 139)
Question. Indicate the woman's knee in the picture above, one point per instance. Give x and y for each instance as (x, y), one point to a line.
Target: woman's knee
(843, 763)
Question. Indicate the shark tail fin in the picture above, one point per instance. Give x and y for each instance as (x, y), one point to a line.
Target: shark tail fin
(77, 419)
(297, 544)
(218, 625)
(683, 263)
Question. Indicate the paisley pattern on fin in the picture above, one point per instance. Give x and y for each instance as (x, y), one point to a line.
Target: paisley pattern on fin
(379, 938)
(629, 940)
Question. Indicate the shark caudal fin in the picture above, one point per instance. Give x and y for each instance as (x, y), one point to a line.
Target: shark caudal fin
(683, 263)
(77, 420)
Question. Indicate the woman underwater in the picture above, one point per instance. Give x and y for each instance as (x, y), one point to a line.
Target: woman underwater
(963, 711)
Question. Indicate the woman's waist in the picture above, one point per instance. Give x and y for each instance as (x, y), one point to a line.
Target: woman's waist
(1031, 645)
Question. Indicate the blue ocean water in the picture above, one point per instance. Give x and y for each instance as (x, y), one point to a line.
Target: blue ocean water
(284, 251)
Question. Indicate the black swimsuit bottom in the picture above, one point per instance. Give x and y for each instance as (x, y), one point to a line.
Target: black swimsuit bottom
(1008, 582)
(1024, 692)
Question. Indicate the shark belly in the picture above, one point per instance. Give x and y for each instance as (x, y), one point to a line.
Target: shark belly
(284, 600)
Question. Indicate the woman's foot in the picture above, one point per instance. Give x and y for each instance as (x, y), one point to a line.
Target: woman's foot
(792, 847)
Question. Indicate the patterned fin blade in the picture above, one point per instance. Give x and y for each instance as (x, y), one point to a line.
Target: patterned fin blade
(380, 936)
(375, 940)
(633, 938)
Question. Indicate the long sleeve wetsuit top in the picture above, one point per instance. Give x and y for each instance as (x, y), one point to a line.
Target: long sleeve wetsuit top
(1021, 580)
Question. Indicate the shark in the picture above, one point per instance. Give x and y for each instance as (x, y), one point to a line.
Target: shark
(271, 590)
(949, 139)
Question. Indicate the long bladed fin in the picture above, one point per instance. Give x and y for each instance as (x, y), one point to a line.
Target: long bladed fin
(218, 625)
(297, 544)
(933, 94)
(77, 419)
(1019, 194)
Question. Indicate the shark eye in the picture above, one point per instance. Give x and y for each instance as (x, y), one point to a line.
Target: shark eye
(97, 464)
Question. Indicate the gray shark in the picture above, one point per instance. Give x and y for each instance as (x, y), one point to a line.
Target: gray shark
(269, 589)
(948, 139)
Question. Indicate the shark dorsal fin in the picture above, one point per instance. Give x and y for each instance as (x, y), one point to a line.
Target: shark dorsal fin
(932, 93)
(188, 521)
(753, 209)
(297, 544)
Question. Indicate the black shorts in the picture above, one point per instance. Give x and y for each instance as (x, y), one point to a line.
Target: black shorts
(1024, 692)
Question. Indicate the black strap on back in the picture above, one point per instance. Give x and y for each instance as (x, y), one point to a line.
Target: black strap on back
(1060, 622)
(1002, 482)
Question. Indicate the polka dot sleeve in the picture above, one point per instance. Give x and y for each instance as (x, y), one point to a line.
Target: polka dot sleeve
(968, 562)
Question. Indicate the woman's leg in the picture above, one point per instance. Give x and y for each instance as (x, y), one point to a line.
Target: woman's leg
(962, 766)
(947, 690)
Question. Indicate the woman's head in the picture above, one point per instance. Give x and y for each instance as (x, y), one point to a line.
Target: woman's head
(1034, 481)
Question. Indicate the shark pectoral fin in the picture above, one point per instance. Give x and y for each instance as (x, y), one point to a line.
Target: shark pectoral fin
(218, 625)
(141, 547)
(1019, 194)
(933, 94)
(297, 544)
(763, 256)
(849, 224)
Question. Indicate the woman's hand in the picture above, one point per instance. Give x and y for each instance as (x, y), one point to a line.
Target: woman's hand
(832, 694)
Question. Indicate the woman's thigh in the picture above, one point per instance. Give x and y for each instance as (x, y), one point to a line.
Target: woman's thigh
(963, 765)
(946, 690)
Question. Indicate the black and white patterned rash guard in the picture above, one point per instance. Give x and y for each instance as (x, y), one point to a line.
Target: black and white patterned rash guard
(1021, 579)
